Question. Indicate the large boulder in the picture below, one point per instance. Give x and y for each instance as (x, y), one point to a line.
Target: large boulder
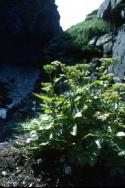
(106, 43)
(25, 27)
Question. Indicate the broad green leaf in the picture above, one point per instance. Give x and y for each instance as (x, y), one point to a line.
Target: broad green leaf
(57, 79)
(120, 134)
(89, 135)
(47, 88)
(47, 111)
(122, 93)
(56, 63)
(47, 127)
(98, 144)
(44, 117)
(77, 98)
(98, 82)
(78, 114)
(121, 153)
(44, 144)
(36, 121)
(43, 97)
(59, 99)
(51, 136)
(116, 106)
(74, 131)
(34, 148)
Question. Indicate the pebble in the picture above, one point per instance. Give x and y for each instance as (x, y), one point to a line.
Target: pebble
(3, 113)
(4, 173)
(68, 170)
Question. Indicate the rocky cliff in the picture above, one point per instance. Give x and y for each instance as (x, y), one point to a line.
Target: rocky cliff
(113, 43)
(25, 27)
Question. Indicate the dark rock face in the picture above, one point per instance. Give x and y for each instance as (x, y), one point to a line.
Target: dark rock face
(17, 84)
(25, 27)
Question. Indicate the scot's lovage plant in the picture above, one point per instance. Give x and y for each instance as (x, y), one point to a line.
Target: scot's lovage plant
(87, 120)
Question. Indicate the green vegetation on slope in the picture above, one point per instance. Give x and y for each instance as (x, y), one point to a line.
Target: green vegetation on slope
(83, 32)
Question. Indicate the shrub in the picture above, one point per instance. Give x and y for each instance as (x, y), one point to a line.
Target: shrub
(86, 121)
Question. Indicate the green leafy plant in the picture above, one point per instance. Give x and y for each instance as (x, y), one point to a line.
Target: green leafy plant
(86, 121)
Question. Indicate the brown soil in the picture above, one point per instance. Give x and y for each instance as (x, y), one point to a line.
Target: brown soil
(17, 169)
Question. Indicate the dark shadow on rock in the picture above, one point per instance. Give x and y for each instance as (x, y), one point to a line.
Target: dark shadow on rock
(17, 84)
(25, 27)
(14, 117)
(64, 49)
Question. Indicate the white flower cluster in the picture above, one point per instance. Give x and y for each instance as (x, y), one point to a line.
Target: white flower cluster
(101, 116)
